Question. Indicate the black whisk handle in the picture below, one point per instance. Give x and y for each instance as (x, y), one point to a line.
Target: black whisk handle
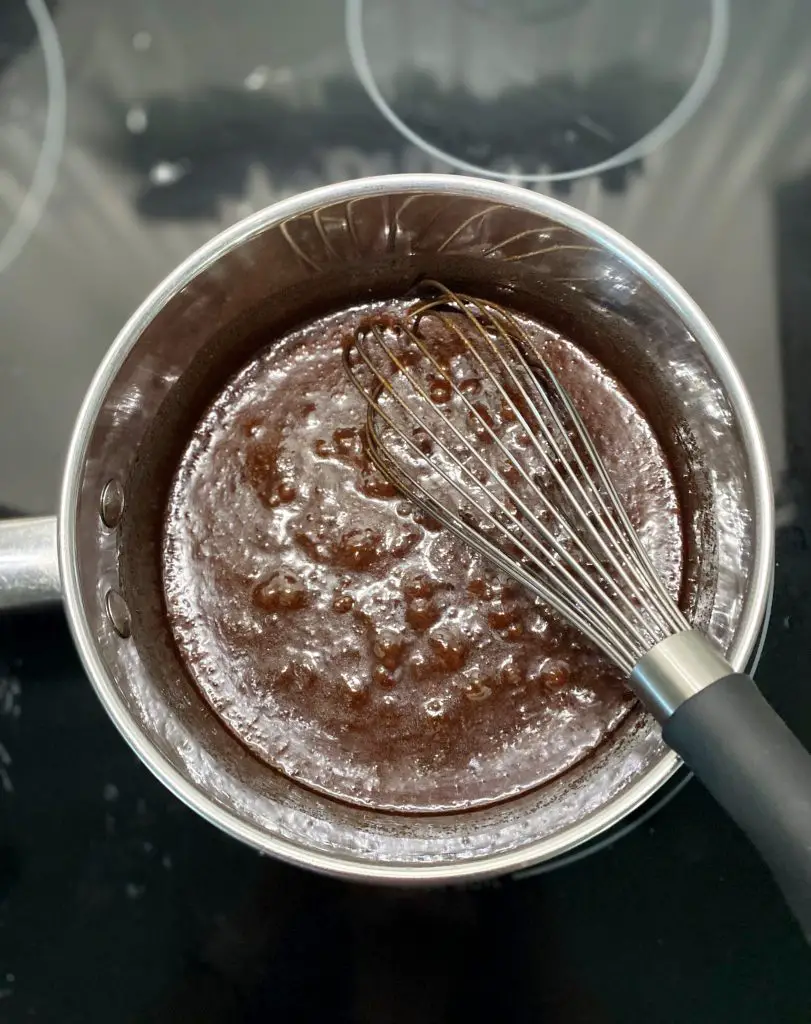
(760, 773)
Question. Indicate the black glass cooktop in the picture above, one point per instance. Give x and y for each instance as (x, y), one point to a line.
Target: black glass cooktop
(132, 132)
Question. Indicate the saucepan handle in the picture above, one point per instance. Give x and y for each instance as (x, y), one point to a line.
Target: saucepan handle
(760, 773)
(29, 567)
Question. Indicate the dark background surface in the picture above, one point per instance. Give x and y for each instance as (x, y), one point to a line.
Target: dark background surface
(116, 902)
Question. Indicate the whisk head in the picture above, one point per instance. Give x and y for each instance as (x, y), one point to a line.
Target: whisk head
(467, 419)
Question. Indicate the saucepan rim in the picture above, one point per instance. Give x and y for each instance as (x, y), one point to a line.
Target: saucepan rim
(340, 864)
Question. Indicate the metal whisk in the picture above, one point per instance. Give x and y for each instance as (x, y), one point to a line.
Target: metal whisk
(468, 420)
(577, 551)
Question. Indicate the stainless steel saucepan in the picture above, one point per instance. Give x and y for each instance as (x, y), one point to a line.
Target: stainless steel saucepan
(357, 240)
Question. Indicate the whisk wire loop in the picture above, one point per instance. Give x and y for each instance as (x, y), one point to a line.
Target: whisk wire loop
(556, 524)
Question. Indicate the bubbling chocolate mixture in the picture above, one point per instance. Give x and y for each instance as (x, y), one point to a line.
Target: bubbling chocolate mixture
(346, 639)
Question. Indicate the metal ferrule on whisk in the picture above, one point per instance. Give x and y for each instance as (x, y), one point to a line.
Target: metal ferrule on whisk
(676, 669)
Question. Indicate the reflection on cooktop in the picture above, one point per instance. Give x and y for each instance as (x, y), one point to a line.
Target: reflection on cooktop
(190, 152)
